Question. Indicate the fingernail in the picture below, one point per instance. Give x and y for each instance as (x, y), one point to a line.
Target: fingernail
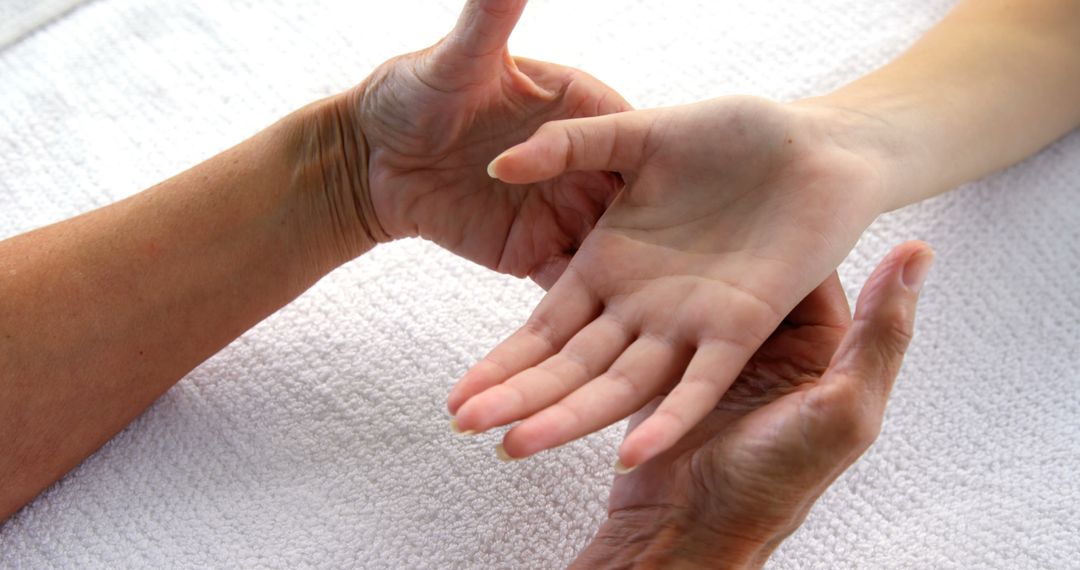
(915, 270)
(490, 168)
(621, 469)
(501, 453)
(491, 165)
(457, 428)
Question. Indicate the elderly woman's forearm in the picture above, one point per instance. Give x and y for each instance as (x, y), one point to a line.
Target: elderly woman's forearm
(101, 314)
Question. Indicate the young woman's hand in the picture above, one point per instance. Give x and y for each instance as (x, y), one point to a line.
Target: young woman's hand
(735, 209)
(434, 119)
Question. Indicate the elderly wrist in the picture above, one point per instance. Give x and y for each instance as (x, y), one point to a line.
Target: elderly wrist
(662, 538)
(330, 176)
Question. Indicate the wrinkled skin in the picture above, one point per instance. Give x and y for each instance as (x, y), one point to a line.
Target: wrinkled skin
(434, 119)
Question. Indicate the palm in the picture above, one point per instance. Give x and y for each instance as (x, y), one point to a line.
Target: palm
(739, 212)
(436, 118)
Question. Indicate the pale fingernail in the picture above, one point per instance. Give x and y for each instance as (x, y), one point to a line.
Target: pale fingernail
(916, 269)
(491, 165)
(501, 453)
(621, 469)
(457, 428)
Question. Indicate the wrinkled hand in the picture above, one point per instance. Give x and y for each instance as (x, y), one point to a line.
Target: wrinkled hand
(797, 416)
(734, 210)
(434, 119)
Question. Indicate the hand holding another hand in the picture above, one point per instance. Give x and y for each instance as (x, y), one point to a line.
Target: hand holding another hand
(432, 120)
(734, 210)
(804, 408)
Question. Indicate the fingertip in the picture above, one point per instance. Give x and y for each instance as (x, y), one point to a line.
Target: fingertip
(454, 427)
(452, 403)
(908, 252)
(632, 453)
(899, 277)
(515, 445)
(469, 418)
(622, 469)
(639, 447)
(504, 456)
(492, 172)
(510, 167)
(518, 165)
(497, 167)
(917, 267)
(456, 398)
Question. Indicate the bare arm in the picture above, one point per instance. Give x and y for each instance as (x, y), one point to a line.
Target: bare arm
(100, 314)
(993, 83)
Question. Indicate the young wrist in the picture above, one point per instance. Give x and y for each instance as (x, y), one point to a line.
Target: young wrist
(869, 131)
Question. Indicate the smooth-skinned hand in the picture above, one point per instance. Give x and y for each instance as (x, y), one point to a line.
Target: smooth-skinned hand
(734, 210)
(807, 405)
(431, 122)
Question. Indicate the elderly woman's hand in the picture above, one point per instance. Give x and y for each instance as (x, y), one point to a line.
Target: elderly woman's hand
(419, 132)
(805, 407)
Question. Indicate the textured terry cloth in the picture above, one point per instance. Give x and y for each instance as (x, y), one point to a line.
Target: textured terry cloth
(320, 438)
(21, 17)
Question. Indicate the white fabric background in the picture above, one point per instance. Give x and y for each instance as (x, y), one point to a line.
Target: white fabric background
(320, 438)
(21, 17)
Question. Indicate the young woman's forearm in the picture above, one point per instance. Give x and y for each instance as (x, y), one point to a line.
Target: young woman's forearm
(990, 85)
(100, 314)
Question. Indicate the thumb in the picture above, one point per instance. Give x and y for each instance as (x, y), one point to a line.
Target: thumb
(484, 27)
(613, 142)
(474, 50)
(870, 355)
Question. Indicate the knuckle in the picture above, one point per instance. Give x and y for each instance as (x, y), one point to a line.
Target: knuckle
(577, 363)
(897, 325)
(624, 382)
(673, 418)
(508, 393)
(888, 333)
(549, 129)
(842, 418)
(575, 138)
(898, 335)
(540, 328)
(491, 366)
(571, 418)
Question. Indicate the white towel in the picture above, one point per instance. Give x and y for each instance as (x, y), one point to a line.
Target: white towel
(320, 437)
(21, 17)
